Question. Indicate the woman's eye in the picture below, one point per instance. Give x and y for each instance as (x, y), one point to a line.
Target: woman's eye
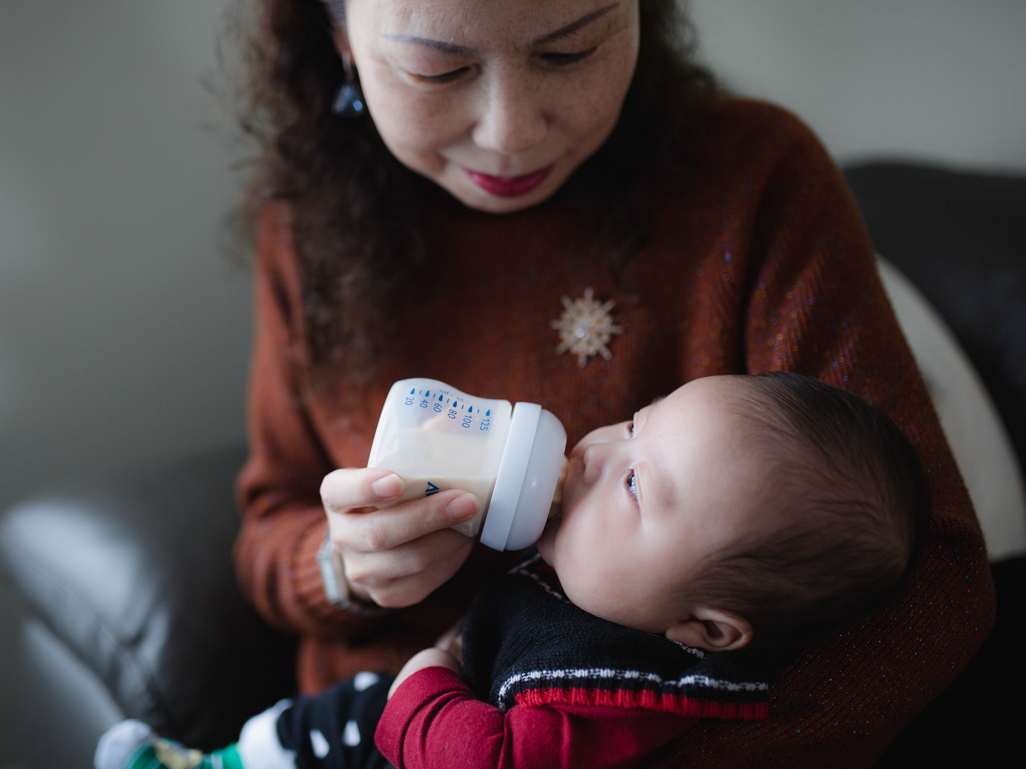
(446, 77)
(632, 485)
(563, 59)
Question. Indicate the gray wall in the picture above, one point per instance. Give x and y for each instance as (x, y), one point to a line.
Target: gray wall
(123, 330)
(938, 80)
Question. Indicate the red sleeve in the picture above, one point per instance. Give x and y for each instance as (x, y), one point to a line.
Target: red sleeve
(433, 721)
(279, 487)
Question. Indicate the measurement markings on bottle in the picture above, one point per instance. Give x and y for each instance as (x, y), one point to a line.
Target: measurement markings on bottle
(426, 400)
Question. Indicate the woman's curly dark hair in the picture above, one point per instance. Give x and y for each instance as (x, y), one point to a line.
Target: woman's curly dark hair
(356, 208)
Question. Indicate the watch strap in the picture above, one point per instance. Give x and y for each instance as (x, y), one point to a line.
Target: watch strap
(336, 586)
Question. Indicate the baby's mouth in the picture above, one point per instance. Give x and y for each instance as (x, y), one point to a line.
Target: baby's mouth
(552, 524)
(555, 511)
(547, 540)
(556, 508)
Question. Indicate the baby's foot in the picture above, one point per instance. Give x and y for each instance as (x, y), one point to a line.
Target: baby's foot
(134, 745)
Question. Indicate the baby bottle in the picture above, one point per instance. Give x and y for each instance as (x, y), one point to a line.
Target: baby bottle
(436, 438)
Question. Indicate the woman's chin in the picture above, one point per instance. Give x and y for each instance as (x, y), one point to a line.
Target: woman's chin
(480, 200)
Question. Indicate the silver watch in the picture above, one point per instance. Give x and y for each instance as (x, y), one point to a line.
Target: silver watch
(336, 586)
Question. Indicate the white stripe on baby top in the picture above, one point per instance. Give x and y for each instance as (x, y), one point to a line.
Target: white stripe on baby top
(606, 673)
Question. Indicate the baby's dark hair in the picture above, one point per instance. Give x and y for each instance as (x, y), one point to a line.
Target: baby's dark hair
(850, 502)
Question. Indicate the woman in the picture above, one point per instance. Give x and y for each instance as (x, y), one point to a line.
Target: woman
(438, 175)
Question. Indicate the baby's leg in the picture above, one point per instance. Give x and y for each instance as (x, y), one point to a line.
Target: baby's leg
(333, 730)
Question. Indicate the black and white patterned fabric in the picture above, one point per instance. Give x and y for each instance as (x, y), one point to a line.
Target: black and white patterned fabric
(335, 729)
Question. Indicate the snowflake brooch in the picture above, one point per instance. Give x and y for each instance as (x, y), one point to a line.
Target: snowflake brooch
(586, 327)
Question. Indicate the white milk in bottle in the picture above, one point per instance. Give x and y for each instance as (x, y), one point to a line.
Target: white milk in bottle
(436, 437)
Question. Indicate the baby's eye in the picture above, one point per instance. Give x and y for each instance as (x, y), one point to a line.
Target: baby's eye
(632, 485)
(630, 428)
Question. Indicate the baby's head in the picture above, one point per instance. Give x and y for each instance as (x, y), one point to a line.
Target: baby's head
(759, 511)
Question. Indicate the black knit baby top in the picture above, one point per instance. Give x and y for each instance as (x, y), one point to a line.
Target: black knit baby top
(525, 643)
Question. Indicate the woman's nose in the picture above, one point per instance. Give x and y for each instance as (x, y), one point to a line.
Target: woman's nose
(512, 119)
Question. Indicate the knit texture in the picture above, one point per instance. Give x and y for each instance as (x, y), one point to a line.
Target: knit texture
(525, 643)
(758, 261)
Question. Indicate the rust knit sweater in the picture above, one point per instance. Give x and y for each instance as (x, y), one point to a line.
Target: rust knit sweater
(759, 261)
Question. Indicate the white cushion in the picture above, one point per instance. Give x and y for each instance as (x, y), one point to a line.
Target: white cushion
(972, 425)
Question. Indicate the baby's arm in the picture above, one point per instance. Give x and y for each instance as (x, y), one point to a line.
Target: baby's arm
(433, 720)
(428, 658)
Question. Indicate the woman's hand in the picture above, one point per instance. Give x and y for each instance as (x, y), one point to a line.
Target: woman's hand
(428, 658)
(394, 557)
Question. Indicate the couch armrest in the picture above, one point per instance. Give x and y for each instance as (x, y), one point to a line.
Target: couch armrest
(960, 237)
(135, 576)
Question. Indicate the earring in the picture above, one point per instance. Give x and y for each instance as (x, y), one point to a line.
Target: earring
(349, 102)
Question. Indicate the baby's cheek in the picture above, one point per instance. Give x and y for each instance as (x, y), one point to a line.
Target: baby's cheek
(589, 592)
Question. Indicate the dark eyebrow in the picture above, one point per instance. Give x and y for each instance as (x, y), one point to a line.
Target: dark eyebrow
(569, 29)
(460, 50)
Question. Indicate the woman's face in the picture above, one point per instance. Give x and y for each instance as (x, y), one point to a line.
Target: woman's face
(497, 101)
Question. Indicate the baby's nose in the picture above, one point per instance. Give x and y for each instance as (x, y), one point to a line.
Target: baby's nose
(592, 463)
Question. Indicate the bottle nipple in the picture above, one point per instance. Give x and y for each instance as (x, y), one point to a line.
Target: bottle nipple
(557, 498)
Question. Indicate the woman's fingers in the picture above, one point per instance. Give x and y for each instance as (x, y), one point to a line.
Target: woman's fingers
(395, 556)
(407, 574)
(376, 569)
(376, 530)
(349, 489)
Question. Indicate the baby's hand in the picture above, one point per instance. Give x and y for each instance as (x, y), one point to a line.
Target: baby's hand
(452, 640)
(426, 659)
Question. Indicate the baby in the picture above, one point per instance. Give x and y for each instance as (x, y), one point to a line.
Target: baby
(716, 534)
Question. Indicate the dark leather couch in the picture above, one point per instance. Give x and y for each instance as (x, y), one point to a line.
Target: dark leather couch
(131, 603)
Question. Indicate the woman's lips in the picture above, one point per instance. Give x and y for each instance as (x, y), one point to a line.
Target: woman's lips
(508, 186)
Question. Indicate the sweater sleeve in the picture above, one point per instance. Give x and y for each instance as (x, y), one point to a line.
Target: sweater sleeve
(279, 487)
(811, 301)
(433, 721)
(817, 306)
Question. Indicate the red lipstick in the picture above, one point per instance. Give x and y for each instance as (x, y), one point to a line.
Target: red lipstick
(508, 186)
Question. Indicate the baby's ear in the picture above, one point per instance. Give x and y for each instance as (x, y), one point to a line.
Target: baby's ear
(714, 630)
